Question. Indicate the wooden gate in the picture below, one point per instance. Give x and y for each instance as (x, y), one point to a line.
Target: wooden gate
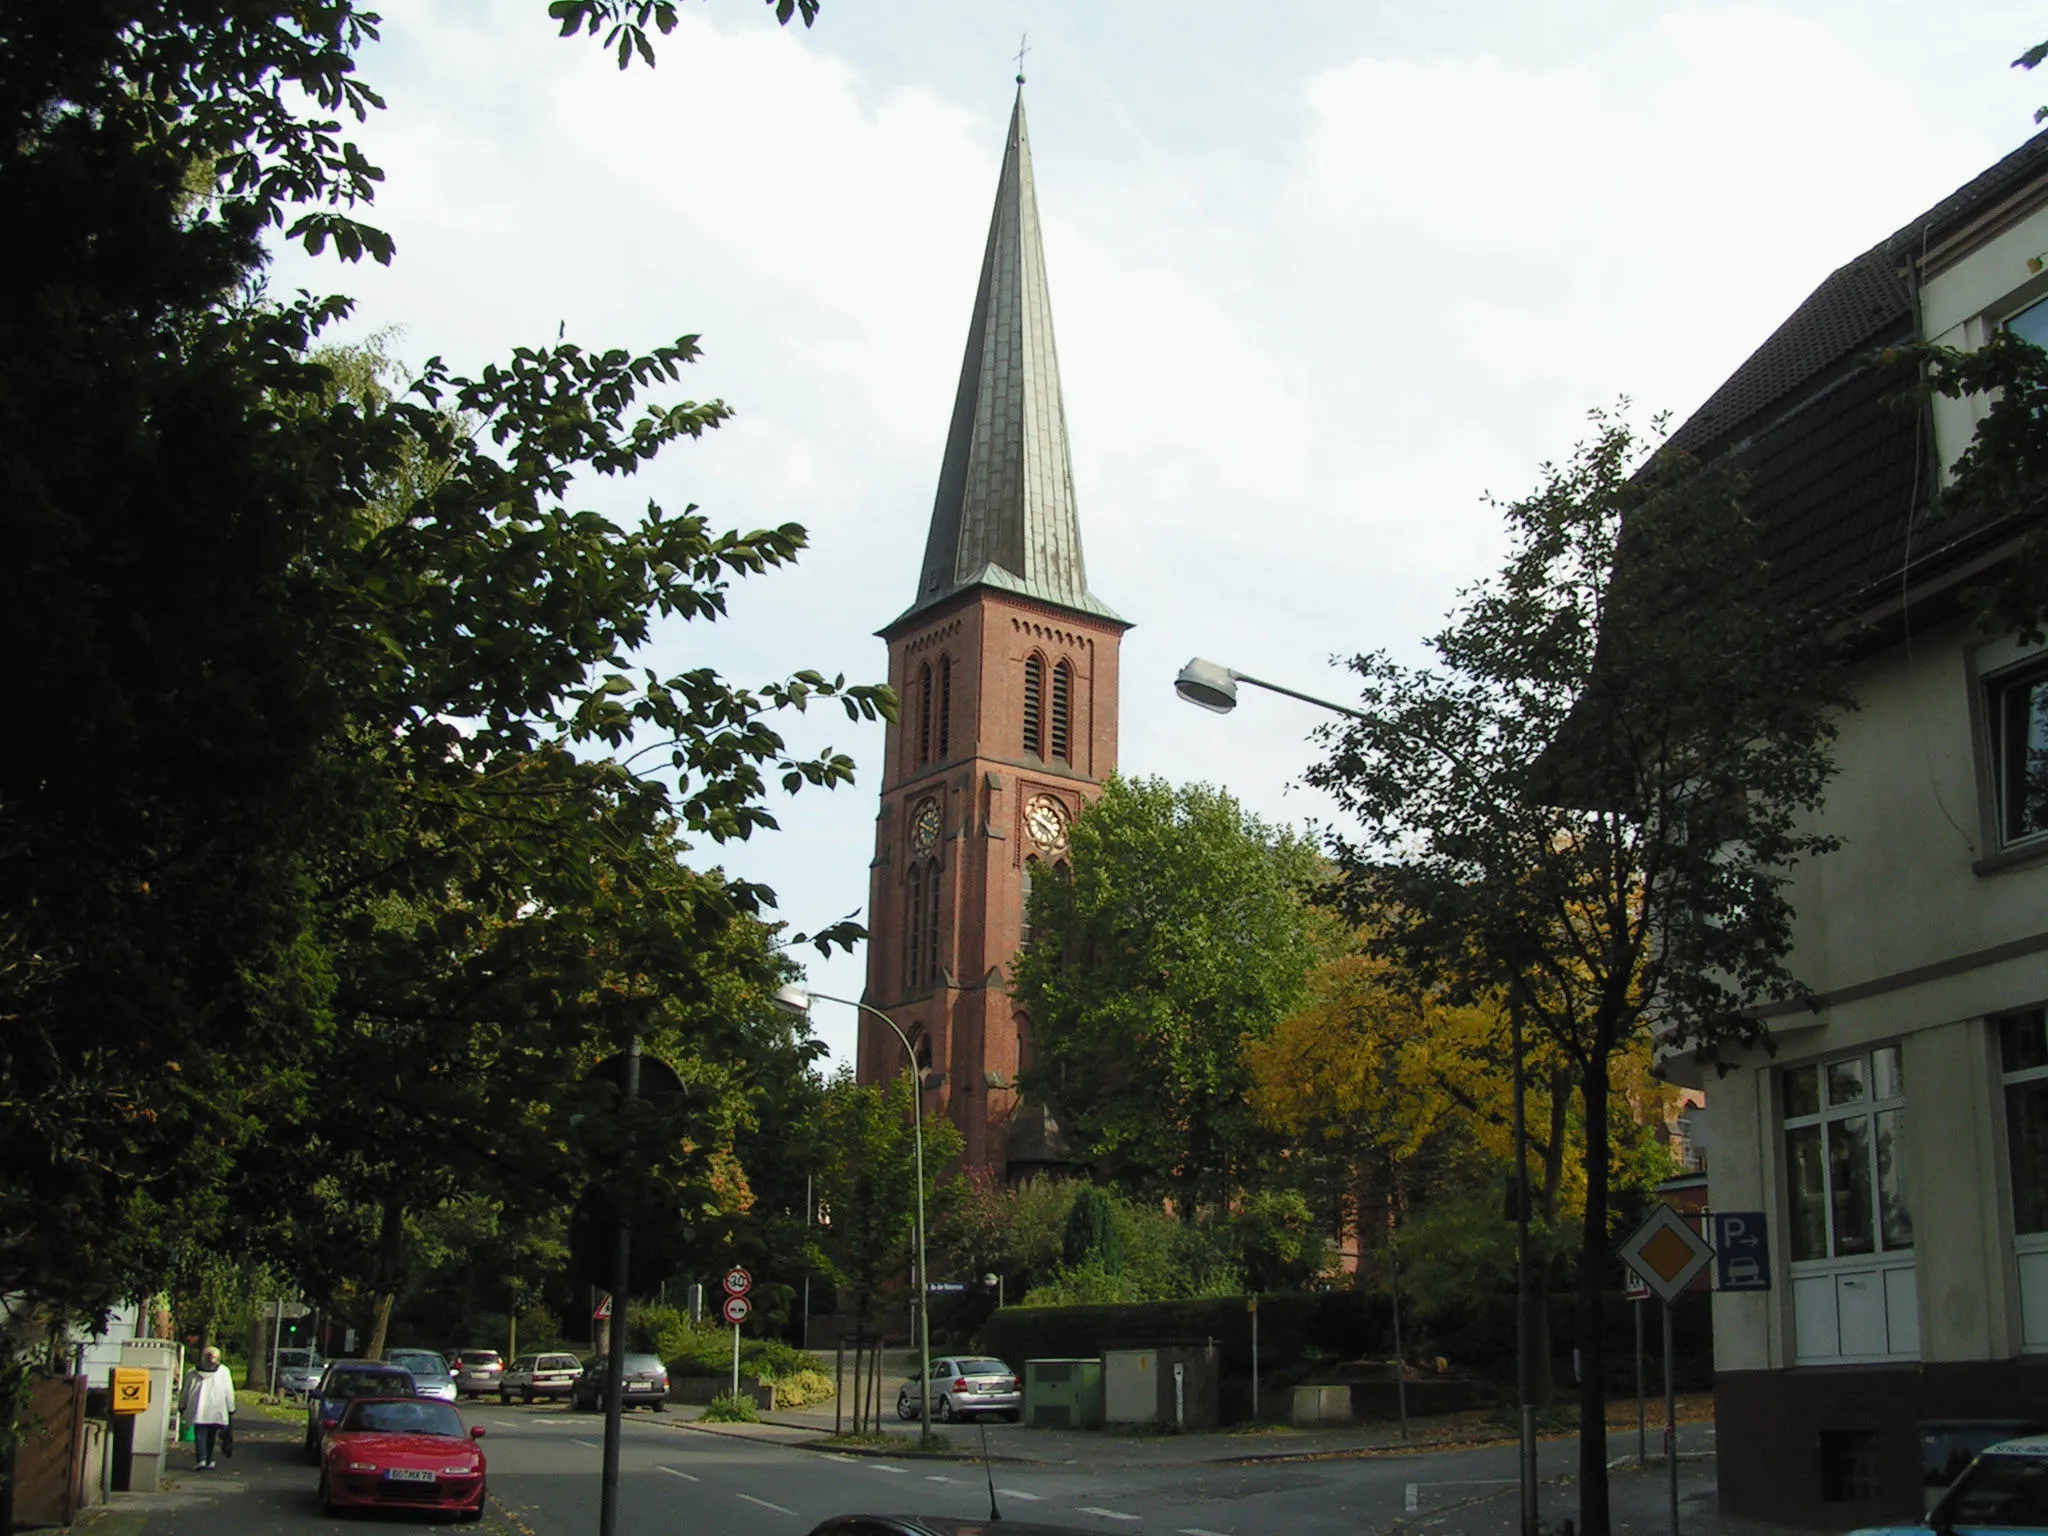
(47, 1466)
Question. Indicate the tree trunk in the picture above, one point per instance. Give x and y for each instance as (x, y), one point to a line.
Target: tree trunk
(390, 1245)
(1594, 1518)
(374, 1350)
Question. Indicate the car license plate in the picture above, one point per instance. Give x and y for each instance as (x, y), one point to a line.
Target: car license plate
(408, 1475)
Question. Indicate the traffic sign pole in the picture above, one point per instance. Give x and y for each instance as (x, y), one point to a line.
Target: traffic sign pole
(1670, 1421)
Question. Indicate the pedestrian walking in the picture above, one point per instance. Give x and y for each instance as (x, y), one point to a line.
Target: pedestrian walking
(209, 1405)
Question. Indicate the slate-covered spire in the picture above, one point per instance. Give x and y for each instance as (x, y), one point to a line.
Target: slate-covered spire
(1005, 516)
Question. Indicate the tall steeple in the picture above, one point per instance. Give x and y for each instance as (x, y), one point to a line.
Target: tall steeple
(1004, 516)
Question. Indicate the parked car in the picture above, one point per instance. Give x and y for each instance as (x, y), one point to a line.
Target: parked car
(429, 1369)
(532, 1376)
(963, 1385)
(341, 1382)
(478, 1371)
(646, 1382)
(403, 1453)
(296, 1372)
(2004, 1489)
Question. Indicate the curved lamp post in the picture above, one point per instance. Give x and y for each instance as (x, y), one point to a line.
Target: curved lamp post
(1213, 686)
(797, 998)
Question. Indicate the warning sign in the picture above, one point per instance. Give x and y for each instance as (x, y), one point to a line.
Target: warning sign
(131, 1389)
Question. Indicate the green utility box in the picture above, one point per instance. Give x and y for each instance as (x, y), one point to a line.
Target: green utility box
(1063, 1394)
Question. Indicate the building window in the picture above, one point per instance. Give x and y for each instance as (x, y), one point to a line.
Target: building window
(924, 714)
(945, 706)
(1062, 711)
(2031, 324)
(1034, 705)
(931, 924)
(1024, 907)
(1845, 1129)
(2018, 716)
(2023, 1060)
(1849, 1226)
(1848, 1466)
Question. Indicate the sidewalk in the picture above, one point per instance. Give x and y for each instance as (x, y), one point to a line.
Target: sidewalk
(266, 1486)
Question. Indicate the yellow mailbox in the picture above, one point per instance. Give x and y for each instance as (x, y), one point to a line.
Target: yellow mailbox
(131, 1389)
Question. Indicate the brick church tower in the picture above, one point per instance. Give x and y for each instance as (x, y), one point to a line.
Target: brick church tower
(1007, 668)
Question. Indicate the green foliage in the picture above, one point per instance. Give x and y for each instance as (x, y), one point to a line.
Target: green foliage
(800, 1388)
(727, 1409)
(1159, 1257)
(1182, 927)
(1091, 1231)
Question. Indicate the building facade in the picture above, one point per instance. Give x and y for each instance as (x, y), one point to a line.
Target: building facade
(1006, 665)
(1896, 1137)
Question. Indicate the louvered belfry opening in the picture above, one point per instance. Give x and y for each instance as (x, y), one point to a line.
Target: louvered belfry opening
(1034, 705)
(945, 707)
(1062, 712)
(924, 714)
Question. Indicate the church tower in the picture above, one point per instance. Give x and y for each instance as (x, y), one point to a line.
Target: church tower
(1006, 665)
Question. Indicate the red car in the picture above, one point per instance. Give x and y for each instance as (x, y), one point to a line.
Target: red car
(402, 1453)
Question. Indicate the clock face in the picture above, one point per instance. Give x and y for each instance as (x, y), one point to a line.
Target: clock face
(1046, 820)
(924, 827)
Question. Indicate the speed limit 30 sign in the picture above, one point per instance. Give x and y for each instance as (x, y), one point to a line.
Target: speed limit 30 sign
(738, 1282)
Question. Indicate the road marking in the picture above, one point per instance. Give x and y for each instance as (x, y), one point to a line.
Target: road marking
(883, 1466)
(1018, 1493)
(1108, 1514)
(764, 1504)
(591, 1443)
(506, 1423)
(934, 1477)
(678, 1472)
(1413, 1502)
(1196, 1530)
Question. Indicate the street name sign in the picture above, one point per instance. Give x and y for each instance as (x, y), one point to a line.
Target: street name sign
(1666, 1253)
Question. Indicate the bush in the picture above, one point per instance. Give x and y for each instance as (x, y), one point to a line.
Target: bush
(726, 1409)
(798, 1389)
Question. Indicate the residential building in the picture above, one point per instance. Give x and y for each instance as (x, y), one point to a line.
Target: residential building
(1895, 1136)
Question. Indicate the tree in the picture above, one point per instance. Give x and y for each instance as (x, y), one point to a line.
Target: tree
(868, 1185)
(1181, 927)
(1588, 807)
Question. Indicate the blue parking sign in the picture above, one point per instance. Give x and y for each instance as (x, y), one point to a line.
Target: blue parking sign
(1742, 1251)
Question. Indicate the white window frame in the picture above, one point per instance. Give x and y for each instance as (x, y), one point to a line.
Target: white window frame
(1849, 1308)
(2030, 1249)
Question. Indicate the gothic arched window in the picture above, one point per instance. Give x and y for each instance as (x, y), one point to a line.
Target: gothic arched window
(1062, 712)
(1024, 906)
(1034, 704)
(945, 706)
(913, 925)
(924, 714)
(931, 923)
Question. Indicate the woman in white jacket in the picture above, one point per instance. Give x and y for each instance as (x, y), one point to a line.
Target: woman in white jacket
(209, 1405)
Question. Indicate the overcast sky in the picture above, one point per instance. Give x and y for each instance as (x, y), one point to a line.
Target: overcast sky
(1323, 274)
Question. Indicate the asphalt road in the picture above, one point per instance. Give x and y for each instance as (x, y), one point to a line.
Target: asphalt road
(546, 1464)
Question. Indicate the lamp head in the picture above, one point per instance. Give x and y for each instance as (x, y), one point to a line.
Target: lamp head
(792, 997)
(1208, 684)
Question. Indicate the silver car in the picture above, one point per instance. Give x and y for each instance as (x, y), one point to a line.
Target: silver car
(478, 1372)
(964, 1385)
(297, 1371)
(429, 1368)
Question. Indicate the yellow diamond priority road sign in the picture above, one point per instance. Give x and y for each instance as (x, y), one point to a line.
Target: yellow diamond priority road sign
(1666, 1253)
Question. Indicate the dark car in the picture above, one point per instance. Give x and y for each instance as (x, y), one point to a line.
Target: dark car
(341, 1382)
(2004, 1489)
(402, 1453)
(646, 1381)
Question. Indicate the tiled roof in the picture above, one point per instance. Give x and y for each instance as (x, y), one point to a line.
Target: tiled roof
(1839, 461)
(1004, 516)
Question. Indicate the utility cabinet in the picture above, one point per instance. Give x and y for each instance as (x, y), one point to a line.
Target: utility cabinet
(1063, 1394)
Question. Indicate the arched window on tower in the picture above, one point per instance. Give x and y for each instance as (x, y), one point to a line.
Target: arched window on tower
(920, 1052)
(931, 923)
(1024, 906)
(913, 926)
(1034, 704)
(945, 706)
(924, 714)
(1062, 712)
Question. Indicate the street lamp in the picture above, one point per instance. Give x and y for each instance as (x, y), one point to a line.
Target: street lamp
(1213, 686)
(794, 997)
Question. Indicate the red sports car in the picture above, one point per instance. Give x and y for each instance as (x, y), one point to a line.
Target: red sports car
(402, 1453)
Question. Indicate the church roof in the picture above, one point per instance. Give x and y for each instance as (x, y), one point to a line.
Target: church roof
(1004, 516)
